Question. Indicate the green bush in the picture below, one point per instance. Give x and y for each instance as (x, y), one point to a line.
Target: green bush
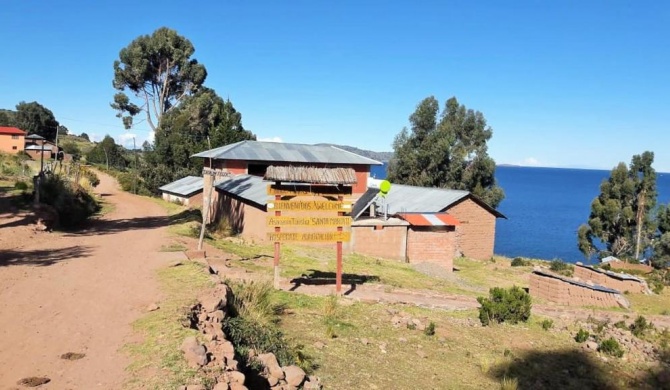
(505, 305)
(621, 325)
(520, 262)
(21, 185)
(561, 267)
(640, 326)
(92, 177)
(611, 347)
(547, 324)
(430, 329)
(582, 335)
(72, 203)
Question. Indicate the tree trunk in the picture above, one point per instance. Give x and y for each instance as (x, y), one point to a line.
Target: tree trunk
(640, 215)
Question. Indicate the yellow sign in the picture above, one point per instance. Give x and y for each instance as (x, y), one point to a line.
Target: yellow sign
(309, 221)
(308, 205)
(310, 237)
(316, 190)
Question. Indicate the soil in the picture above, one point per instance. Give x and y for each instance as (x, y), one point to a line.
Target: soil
(77, 291)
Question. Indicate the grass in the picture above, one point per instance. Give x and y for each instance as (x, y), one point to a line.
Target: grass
(157, 360)
(656, 304)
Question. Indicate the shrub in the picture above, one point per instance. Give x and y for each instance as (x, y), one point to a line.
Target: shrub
(547, 324)
(509, 383)
(92, 178)
(331, 315)
(430, 329)
(520, 262)
(505, 305)
(561, 267)
(611, 347)
(582, 335)
(21, 185)
(72, 203)
(621, 325)
(640, 326)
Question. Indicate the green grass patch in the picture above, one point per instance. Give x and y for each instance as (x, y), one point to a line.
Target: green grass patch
(157, 360)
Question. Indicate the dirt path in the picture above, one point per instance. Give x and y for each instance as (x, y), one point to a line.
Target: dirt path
(78, 292)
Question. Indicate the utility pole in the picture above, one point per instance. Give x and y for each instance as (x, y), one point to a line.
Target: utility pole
(137, 173)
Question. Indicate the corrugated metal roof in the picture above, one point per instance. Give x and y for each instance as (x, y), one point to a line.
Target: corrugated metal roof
(34, 136)
(11, 130)
(285, 152)
(429, 219)
(251, 188)
(313, 175)
(38, 147)
(185, 186)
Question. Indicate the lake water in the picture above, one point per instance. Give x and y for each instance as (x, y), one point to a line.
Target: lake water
(545, 207)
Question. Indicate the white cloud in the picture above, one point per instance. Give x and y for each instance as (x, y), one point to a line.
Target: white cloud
(126, 139)
(271, 139)
(530, 162)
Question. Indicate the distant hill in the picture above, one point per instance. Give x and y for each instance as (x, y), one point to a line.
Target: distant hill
(379, 156)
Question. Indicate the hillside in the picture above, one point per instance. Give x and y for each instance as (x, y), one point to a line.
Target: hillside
(379, 156)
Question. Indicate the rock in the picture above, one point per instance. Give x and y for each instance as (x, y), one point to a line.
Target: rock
(232, 364)
(221, 386)
(217, 316)
(196, 387)
(592, 345)
(402, 340)
(421, 354)
(365, 341)
(319, 345)
(189, 343)
(211, 304)
(269, 361)
(236, 377)
(313, 383)
(196, 357)
(273, 381)
(153, 307)
(396, 321)
(227, 349)
(183, 387)
(223, 292)
(238, 386)
(294, 375)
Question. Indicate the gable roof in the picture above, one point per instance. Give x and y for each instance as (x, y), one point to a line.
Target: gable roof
(286, 152)
(411, 199)
(11, 130)
(246, 187)
(185, 186)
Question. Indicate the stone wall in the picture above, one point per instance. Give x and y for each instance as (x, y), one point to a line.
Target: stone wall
(572, 293)
(609, 279)
(477, 229)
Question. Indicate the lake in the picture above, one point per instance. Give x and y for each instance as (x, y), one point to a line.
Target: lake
(545, 207)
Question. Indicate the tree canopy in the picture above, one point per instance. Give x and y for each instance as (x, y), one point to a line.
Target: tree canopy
(159, 71)
(32, 118)
(447, 150)
(621, 216)
(107, 152)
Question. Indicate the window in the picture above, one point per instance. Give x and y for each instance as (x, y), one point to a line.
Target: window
(15, 137)
(13, 147)
(257, 169)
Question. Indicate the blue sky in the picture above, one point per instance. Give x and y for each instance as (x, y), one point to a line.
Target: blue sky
(563, 83)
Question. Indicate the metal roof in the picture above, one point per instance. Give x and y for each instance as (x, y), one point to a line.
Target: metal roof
(251, 188)
(286, 152)
(34, 136)
(38, 147)
(185, 186)
(429, 219)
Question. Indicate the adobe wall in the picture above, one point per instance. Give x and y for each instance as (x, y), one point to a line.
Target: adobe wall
(477, 229)
(244, 219)
(378, 240)
(430, 244)
(586, 273)
(11, 145)
(564, 293)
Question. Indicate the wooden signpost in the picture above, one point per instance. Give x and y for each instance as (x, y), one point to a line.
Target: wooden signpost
(277, 221)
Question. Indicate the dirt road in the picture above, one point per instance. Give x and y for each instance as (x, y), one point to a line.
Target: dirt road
(78, 292)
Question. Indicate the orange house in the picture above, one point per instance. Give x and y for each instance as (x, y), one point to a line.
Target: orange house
(12, 139)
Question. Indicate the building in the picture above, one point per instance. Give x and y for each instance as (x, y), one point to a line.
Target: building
(186, 191)
(36, 145)
(12, 140)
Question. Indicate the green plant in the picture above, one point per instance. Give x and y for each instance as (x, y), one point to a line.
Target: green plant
(21, 185)
(411, 326)
(520, 262)
(640, 326)
(430, 329)
(621, 325)
(509, 383)
(547, 324)
(505, 305)
(72, 203)
(561, 267)
(611, 347)
(253, 301)
(599, 324)
(582, 335)
(331, 315)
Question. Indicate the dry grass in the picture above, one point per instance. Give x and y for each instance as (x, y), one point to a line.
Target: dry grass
(157, 361)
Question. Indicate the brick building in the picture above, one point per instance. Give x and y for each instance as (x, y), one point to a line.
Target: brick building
(12, 140)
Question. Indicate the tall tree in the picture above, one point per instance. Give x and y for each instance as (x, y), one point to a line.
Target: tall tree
(84, 136)
(34, 118)
(107, 152)
(447, 150)
(7, 117)
(159, 71)
(621, 216)
(661, 257)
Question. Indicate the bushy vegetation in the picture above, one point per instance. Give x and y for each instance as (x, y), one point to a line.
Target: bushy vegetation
(72, 202)
(561, 267)
(582, 335)
(520, 262)
(547, 324)
(640, 326)
(658, 280)
(611, 347)
(505, 305)
(430, 329)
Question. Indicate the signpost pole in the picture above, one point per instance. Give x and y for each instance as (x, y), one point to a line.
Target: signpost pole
(338, 276)
(277, 247)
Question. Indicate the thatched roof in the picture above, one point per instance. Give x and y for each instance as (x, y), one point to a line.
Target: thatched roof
(311, 175)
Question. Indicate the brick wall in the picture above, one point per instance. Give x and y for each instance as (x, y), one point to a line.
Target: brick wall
(432, 245)
(9, 144)
(630, 266)
(236, 167)
(386, 241)
(477, 229)
(564, 293)
(605, 280)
